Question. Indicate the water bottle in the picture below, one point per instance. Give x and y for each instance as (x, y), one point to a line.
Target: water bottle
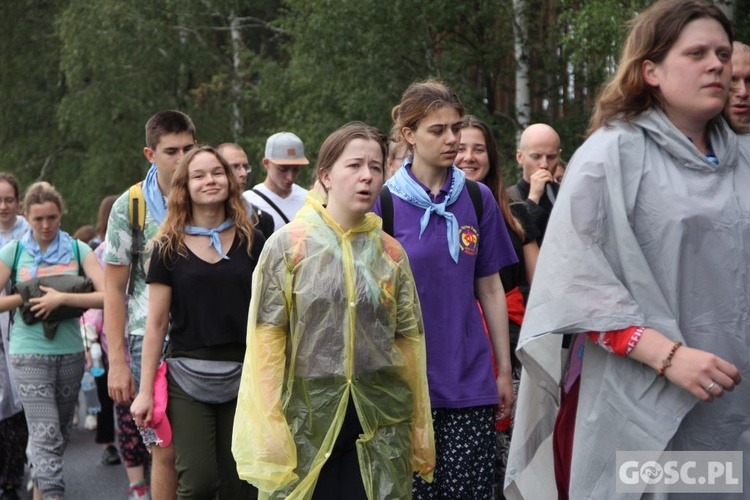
(97, 366)
(88, 384)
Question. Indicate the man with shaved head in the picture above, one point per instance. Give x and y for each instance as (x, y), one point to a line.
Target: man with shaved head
(737, 110)
(538, 154)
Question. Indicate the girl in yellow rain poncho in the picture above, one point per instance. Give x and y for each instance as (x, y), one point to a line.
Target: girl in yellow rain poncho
(335, 362)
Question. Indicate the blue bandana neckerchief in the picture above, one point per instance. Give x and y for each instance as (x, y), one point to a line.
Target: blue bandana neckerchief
(405, 187)
(60, 250)
(710, 155)
(213, 234)
(153, 197)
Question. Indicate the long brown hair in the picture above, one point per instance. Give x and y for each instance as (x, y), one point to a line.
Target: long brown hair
(171, 235)
(653, 33)
(494, 178)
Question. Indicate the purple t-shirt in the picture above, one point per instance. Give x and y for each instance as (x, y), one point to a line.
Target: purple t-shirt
(459, 353)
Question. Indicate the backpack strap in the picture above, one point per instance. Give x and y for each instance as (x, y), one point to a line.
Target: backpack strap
(137, 219)
(14, 269)
(77, 256)
(272, 205)
(386, 209)
(476, 199)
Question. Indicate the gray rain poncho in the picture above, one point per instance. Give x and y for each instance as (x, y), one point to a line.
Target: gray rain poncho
(646, 231)
(334, 316)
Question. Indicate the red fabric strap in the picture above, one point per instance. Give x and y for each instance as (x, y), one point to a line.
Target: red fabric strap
(619, 342)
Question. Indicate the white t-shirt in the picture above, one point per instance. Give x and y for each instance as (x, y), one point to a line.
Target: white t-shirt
(289, 205)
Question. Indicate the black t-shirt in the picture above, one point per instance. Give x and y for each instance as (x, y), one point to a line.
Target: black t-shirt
(515, 274)
(210, 302)
(538, 213)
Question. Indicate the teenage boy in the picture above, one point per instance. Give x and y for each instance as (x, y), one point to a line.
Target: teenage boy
(278, 194)
(169, 135)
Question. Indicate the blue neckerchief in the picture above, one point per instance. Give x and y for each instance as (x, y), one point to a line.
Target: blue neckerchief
(403, 186)
(60, 251)
(153, 197)
(710, 155)
(213, 234)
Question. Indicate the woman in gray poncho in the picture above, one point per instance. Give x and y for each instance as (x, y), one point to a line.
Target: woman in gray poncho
(648, 253)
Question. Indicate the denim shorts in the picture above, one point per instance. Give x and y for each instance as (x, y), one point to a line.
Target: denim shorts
(135, 347)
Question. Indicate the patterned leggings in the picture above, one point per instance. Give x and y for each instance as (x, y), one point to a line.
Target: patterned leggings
(132, 449)
(465, 448)
(48, 386)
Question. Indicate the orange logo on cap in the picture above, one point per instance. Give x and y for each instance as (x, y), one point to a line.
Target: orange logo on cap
(291, 152)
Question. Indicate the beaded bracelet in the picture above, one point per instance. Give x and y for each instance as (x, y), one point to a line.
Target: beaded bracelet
(667, 362)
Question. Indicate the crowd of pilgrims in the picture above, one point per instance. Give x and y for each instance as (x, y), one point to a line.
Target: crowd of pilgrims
(410, 327)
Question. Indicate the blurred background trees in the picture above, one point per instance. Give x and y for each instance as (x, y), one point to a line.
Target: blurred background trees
(79, 79)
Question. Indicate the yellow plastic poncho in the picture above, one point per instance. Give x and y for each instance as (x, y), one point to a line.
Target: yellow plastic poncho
(334, 314)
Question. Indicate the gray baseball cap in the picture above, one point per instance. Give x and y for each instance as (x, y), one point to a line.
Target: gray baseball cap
(285, 148)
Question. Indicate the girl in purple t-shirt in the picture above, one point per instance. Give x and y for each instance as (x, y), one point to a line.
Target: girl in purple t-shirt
(455, 259)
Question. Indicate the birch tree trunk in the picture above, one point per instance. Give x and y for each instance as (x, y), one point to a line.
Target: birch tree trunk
(237, 125)
(520, 37)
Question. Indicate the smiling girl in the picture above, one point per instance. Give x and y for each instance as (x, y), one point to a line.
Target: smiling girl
(200, 286)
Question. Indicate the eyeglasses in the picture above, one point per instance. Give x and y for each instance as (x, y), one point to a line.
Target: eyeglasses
(8, 201)
(242, 166)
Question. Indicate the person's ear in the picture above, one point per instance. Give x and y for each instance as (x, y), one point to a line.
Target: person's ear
(408, 136)
(325, 179)
(519, 157)
(149, 154)
(650, 73)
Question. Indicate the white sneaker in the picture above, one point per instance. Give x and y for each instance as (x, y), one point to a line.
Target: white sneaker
(89, 423)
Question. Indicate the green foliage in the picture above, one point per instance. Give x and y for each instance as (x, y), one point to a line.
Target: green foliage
(352, 60)
(742, 22)
(79, 79)
(31, 85)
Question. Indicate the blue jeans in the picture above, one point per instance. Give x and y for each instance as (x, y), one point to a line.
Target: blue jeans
(135, 347)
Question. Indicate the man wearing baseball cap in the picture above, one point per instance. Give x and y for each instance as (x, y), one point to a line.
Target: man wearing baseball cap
(278, 195)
